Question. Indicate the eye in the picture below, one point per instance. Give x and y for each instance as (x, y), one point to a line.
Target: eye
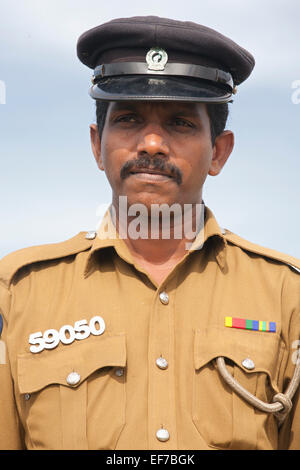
(126, 118)
(182, 122)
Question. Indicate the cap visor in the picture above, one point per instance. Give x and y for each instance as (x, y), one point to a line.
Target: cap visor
(159, 88)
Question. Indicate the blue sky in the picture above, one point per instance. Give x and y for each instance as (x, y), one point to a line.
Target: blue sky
(50, 186)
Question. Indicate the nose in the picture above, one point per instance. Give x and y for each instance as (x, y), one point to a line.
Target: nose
(152, 144)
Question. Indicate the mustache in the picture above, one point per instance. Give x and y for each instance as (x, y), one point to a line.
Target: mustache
(151, 163)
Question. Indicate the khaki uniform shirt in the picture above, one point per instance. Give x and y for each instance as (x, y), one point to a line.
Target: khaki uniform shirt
(117, 397)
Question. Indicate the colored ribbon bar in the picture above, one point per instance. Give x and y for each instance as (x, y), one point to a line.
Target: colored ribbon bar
(255, 325)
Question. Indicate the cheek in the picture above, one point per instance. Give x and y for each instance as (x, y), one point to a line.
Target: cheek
(195, 168)
(113, 159)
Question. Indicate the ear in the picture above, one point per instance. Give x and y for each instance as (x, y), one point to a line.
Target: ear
(96, 145)
(221, 151)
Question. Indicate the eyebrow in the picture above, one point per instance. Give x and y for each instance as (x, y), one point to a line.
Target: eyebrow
(120, 106)
(132, 106)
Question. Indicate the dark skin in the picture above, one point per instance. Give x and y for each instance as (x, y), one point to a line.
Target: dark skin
(177, 133)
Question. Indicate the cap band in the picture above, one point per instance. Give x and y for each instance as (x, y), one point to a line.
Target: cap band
(186, 70)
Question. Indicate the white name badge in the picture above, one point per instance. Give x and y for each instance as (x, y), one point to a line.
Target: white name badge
(66, 335)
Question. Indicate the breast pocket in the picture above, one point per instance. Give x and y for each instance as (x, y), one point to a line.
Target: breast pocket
(224, 419)
(74, 397)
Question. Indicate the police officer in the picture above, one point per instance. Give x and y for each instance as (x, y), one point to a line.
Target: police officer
(115, 341)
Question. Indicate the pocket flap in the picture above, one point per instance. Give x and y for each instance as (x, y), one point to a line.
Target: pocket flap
(264, 349)
(36, 371)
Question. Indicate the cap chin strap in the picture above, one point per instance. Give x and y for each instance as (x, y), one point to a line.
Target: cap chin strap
(214, 75)
(282, 402)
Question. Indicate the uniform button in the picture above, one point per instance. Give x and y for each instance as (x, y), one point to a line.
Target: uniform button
(27, 396)
(73, 378)
(119, 372)
(164, 298)
(162, 363)
(91, 235)
(248, 363)
(162, 435)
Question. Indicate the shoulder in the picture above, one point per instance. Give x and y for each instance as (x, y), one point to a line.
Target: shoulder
(266, 253)
(13, 262)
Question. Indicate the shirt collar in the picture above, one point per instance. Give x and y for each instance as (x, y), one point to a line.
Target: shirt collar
(211, 230)
(107, 236)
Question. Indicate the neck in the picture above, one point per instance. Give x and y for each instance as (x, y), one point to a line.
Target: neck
(159, 238)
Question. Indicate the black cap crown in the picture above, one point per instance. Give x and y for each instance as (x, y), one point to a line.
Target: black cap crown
(152, 58)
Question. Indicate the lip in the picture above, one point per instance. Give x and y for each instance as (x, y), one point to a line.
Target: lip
(151, 176)
(152, 173)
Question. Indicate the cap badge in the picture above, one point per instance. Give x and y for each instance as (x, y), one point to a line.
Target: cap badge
(156, 58)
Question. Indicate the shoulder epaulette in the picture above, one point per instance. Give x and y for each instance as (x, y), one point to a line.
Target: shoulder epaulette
(292, 262)
(11, 263)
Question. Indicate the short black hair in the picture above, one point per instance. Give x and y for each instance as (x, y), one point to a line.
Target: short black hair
(217, 113)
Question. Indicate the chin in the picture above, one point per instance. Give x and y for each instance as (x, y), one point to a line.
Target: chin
(148, 201)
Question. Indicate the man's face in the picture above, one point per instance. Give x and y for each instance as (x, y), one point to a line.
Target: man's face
(156, 153)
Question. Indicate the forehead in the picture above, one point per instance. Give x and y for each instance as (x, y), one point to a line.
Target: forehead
(145, 107)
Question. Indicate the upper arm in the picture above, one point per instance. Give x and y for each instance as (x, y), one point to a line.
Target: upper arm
(10, 429)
